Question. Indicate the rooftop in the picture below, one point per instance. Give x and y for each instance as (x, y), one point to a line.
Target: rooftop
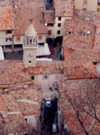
(6, 20)
(63, 8)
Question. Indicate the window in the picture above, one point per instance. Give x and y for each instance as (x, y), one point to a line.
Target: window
(32, 77)
(30, 61)
(18, 38)
(59, 18)
(50, 24)
(18, 46)
(40, 37)
(98, 2)
(59, 24)
(49, 32)
(8, 39)
(26, 119)
(45, 77)
(30, 41)
(8, 46)
(70, 32)
(41, 44)
(58, 32)
(95, 63)
(8, 32)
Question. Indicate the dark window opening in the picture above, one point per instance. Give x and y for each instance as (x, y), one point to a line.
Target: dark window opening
(17, 46)
(58, 32)
(8, 46)
(25, 119)
(30, 61)
(30, 41)
(95, 63)
(70, 32)
(41, 44)
(45, 77)
(59, 24)
(32, 77)
(59, 18)
(8, 39)
(50, 24)
(8, 32)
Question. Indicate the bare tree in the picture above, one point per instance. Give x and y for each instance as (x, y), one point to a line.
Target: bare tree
(86, 103)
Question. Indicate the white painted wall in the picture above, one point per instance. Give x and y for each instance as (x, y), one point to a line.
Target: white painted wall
(91, 4)
(43, 40)
(55, 28)
(47, 83)
(18, 41)
(3, 37)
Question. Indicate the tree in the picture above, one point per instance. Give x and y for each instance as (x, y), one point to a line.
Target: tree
(85, 102)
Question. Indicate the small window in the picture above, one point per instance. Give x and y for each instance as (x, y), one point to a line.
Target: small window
(50, 24)
(26, 119)
(58, 32)
(70, 32)
(45, 77)
(8, 32)
(41, 44)
(30, 41)
(49, 32)
(30, 61)
(95, 63)
(40, 37)
(8, 46)
(18, 38)
(32, 77)
(59, 24)
(8, 39)
(59, 18)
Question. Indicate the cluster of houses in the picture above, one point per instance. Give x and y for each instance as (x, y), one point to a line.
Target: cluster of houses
(26, 25)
